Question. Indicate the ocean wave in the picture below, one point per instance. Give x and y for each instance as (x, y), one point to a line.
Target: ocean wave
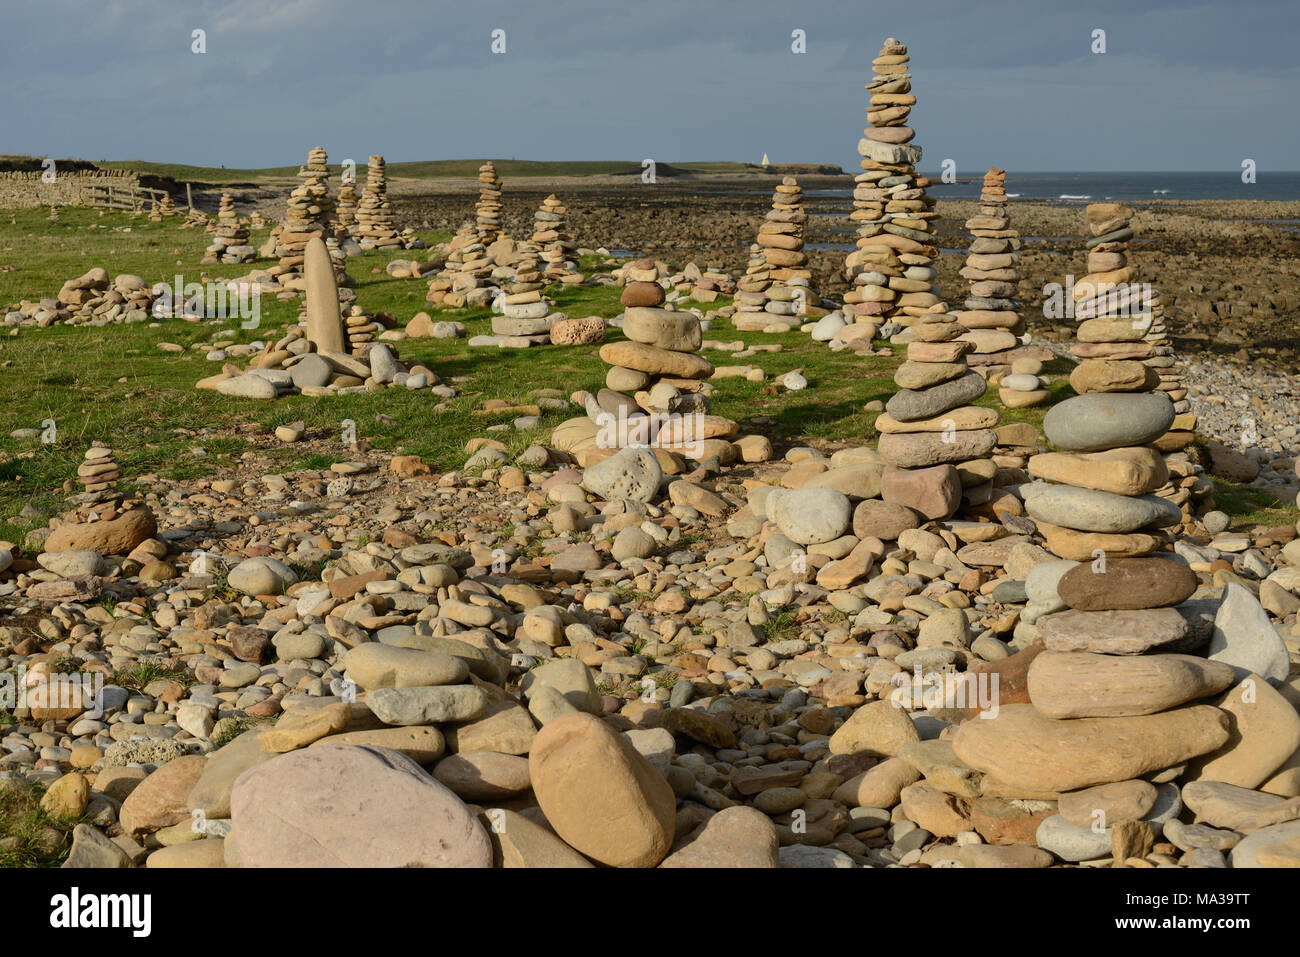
(1071, 196)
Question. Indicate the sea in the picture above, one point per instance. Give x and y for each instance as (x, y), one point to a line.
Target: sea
(1133, 187)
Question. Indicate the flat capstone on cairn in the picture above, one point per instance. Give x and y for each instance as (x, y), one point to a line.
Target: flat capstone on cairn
(325, 354)
(775, 294)
(891, 271)
(230, 244)
(992, 313)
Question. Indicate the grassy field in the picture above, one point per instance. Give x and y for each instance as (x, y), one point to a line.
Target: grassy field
(115, 384)
(423, 169)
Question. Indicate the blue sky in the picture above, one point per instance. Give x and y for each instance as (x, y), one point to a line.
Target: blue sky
(1182, 86)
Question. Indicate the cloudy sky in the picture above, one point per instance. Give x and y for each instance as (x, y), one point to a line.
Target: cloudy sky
(1181, 86)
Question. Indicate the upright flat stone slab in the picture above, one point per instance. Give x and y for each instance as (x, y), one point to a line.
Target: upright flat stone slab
(324, 322)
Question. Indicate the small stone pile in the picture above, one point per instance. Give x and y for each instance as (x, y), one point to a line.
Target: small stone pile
(155, 212)
(551, 237)
(196, 218)
(54, 214)
(891, 270)
(487, 213)
(934, 441)
(92, 299)
(231, 243)
(326, 354)
(374, 228)
(307, 217)
(776, 293)
(466, 274)
(657, 370)
(992, 312)
(525, 317)
(105, 520)
(167, 208)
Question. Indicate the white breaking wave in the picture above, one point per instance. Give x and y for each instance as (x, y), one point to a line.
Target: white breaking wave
(1069, 196)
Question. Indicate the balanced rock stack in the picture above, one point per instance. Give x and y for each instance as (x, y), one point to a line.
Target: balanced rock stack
(374, 229)
(891, 271)
(99, 471)
(167, 207)
(487, 213)
(361, 328)
(776, 292)
(345, 209)
(155, 212)
(1172, 372)
(553, 240)
(525, 318)
(992, 312)
(105, 520)
(659, 367)
(307, 217)
(935, 443)
(230, 244)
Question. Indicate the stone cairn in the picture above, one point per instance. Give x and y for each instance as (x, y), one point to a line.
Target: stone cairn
(374, 229)
(935, 443)
(93, 299)
(554, 242)
(167, 208)
(155, 211)
(54, 214)
(306, 217)
(660, 366)
(104, 519)
(487, 213)
(992, 312)
(230, 244)
(891, 271)
(776, 291)
(525, 317)
(466, 273)
(345, 208)
(1107, 725)
(1096, 494)
(325, 354)
(1172, 372)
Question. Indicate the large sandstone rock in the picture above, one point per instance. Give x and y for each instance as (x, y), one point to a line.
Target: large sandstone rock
(601, 796)
(1124, 471)
(662, 328)
(118, 536)
(160, 800)
(1127, 583)
(644, 358)
(1263, 732)
(376, 665)
(632, 473)
(352, 807)
(324, 322)
(1087, 685)
(1022, 748)
(879, 728)
(734, 837)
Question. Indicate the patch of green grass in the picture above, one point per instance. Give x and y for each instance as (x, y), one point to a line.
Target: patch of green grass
(231, 729)
(140, 676)
(27, 831)
(1248, 506)
(780, 627)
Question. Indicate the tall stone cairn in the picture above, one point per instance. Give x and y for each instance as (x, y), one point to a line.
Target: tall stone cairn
(487, 213)
(167, 207)
(345, 209)
(992, 314)
(374, 229)
(777, 287)
(935, 443)
(552, 238)
(230, 242)
(1096, 494)
(891, 271)
(1172, 371)
(307, 216)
